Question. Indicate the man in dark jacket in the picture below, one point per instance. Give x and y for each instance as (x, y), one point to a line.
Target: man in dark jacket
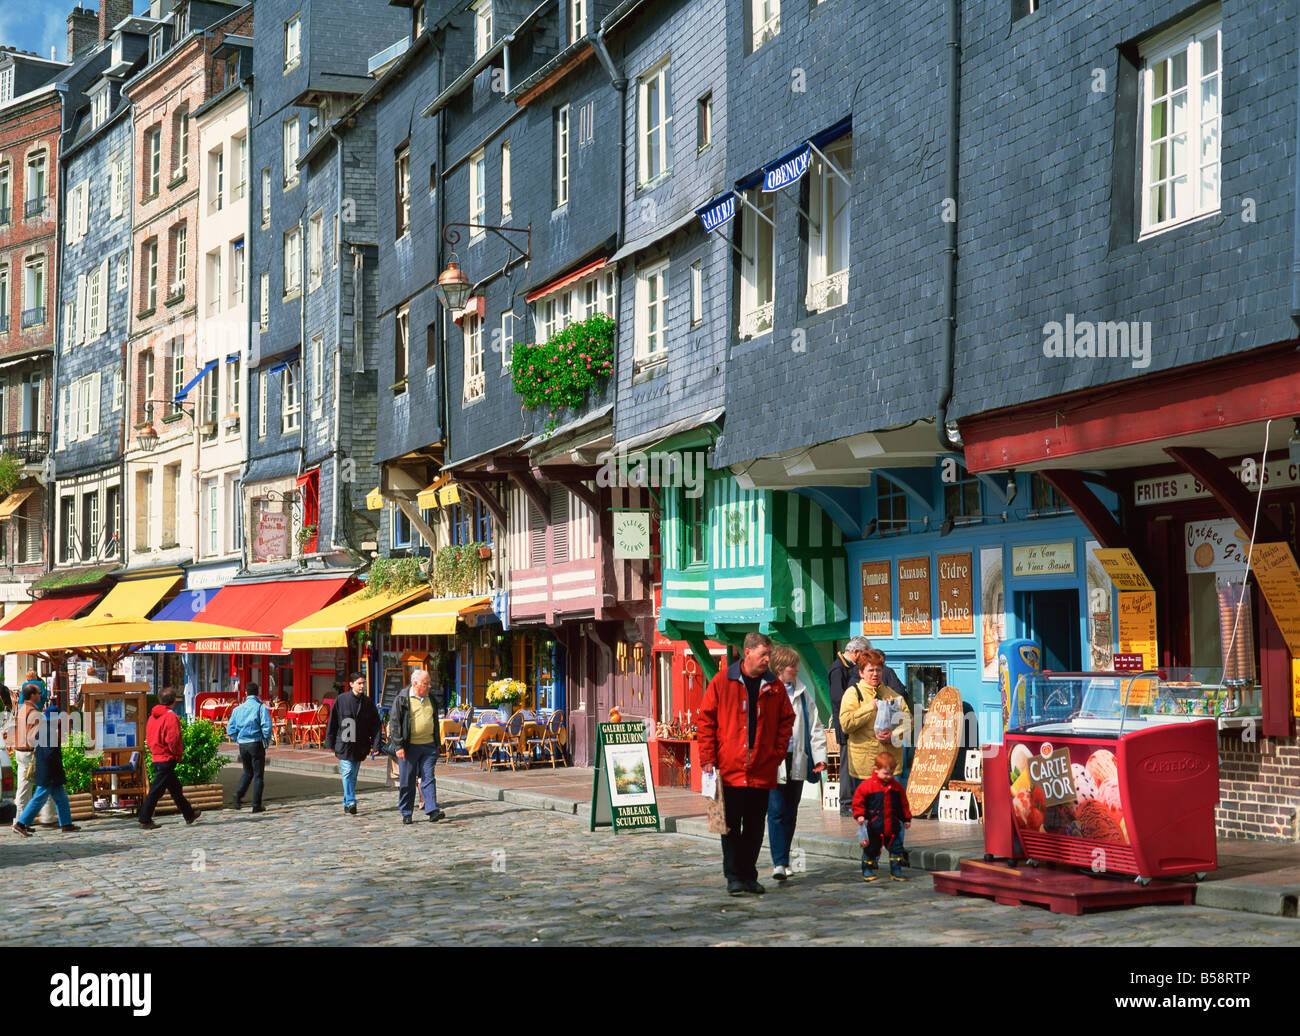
(166, 747)
(413, 731)
(352, 734)
(745, 723)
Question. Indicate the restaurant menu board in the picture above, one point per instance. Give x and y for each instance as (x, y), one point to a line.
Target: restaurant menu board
(623, 789)
(936, 750)
(877, 599)
(1122, 568)
(956, 594)
(914, 597)
(1279, 580)
(1137, 626)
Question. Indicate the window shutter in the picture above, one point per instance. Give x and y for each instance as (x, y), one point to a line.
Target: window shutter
(81, 308)
(560, 524)
(84, 224)
(103, 298)
(92, 417)
(65, 416)
(536, 537)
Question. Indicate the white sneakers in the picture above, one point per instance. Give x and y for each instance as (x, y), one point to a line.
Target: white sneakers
(781, 873)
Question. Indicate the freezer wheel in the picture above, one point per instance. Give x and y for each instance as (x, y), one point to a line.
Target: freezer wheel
(1200, 875)
(1144, 882)
(1032, 863)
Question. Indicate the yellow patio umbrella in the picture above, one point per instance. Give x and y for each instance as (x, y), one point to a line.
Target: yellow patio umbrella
(107, 639)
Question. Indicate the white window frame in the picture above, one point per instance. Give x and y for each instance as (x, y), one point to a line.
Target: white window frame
(507, 341)
(402, 348)
(154, 182)
(266, 197)
(652, 313)
(263, 301)
(211, 494)
(315, 250)
(402, 183)
(472, 333)
(477, 192)
(757, 306)
(261, 404)
(482, 28)
(317, 376)
(563, 163)
(293, 260)
(238, 271)
(291, 398)
(577, 20)
(1200, 124)
(765, 21)
(292, 43)
(830, 203)
(290, 152)
(697, 293)
(654, 128)
(507, 201)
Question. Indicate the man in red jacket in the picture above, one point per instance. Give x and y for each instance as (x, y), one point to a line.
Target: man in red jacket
(744, 728)
(166, 746)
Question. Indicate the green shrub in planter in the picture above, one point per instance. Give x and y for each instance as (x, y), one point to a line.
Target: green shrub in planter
(200, 761)
(78, 767)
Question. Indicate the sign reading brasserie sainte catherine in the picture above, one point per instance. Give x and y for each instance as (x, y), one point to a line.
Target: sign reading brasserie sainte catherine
(956, 607)
(623, 789)
(914, 597)
(877, 599)
(1043, 559)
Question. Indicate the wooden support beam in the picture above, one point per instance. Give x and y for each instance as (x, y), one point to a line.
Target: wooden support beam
(1091, 511)
(1227, 489)
(574, 483)
(541, 500)
(489, 501)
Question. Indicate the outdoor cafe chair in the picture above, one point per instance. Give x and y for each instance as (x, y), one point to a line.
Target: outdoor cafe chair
(504, 750)
(549, 742)
(278, 722)
(316, 726)
(454, 744)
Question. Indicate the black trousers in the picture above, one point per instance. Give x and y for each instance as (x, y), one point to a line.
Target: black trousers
(746, 810)
(253, 755)
(164, 779)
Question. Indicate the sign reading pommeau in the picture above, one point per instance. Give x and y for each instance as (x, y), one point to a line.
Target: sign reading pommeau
(717, 213)
(658, 469)
(788, 170)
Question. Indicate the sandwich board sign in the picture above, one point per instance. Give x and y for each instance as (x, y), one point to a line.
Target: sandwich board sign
(623, 789)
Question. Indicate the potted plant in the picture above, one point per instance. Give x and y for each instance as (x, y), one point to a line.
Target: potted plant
(200, 762)
(79, 767)
(485, 550)
(506, 692)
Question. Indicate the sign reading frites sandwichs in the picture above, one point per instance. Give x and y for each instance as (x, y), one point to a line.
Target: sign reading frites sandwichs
(1170, 489)
(1122, 568)
(1043, 559)
(632, 535)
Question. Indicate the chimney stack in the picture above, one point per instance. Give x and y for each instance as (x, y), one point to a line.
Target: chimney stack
(83, 30)
(112, 13)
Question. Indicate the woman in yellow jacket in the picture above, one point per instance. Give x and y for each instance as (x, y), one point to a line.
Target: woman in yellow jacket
(859, 710)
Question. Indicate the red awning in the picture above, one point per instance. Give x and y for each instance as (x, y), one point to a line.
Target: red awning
(563, 282)
(267, 607)
(49, 608)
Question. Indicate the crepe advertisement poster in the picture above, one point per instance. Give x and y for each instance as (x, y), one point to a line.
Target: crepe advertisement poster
(623, 790)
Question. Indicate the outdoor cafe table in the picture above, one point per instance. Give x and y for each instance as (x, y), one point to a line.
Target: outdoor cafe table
(299, 716)
(218, 712)
(477, 735)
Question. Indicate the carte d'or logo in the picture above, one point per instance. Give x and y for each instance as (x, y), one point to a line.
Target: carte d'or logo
(1174, 766)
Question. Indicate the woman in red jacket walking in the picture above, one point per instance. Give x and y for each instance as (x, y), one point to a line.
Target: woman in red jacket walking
(744, 728)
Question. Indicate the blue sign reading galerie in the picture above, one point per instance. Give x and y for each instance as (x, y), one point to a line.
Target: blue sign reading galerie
(718, 212)
(787, 169)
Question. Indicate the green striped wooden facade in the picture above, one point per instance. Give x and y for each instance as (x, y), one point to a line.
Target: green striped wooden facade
(774, 562)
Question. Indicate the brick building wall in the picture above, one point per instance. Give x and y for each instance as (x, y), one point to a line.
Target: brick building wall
(1259, 789)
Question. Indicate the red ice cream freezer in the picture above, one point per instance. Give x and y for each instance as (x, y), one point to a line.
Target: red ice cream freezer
(1104, 774)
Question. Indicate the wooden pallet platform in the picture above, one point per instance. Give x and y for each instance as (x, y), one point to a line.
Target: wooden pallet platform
(1061, 890)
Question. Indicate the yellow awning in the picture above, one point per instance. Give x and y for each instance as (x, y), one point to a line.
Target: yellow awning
(428, 496)
(435, 618)
(329, 627)
(374, 501)
(137, 597)
(13, 501)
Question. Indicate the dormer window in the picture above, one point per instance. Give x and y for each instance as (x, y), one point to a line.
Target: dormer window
(417, 18)
(482, 27)
(155, 46)
(99, 108)
(6, 84)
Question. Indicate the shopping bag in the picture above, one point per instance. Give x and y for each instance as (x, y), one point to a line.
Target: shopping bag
(717, 812)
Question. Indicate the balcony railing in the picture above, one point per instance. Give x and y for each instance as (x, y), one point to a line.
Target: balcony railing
(829, 292)
(33, 317)
(757, 321)
(33, 207)
(31, 447)
(378, 61)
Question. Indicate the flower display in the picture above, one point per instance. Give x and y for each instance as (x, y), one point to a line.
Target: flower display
(501, 692)
(557, 374)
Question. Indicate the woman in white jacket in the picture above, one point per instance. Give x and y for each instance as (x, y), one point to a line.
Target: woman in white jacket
(804, 761)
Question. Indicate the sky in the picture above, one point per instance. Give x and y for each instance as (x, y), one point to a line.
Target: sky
(38, 25)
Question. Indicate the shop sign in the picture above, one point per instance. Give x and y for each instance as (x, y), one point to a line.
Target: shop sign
(914, 597)
(1279, 580)
(877, 599)
(1122, 568)
(1137, 626)
(956, 607)
(936, 750)
(1173, 489)
(623, 789)
(1100, 597)
(1215, 546)
(1295, 686)
(1043, 559)
(632, 535)
(272, 540)
(1050, 772)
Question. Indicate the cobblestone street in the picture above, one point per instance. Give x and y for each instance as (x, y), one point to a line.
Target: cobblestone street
(495, 873)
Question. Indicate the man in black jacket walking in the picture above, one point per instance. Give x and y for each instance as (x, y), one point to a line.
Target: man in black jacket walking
(352, 734)
(413, 732)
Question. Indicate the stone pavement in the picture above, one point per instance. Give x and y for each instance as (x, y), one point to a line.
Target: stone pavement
(1253, 876)
(495, 873)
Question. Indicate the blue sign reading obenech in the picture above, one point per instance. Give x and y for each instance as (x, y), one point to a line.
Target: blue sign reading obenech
(787, 170)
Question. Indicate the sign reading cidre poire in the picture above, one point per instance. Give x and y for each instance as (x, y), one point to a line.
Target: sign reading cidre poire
(914, 597)
(877, 599)
(956, 597)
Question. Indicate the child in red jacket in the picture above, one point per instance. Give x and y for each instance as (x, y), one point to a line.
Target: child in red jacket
(880, 808)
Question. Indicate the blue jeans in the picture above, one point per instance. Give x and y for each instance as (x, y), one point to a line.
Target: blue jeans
(418, 764)
(782, 814)
(60, 797)
(348, 770)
